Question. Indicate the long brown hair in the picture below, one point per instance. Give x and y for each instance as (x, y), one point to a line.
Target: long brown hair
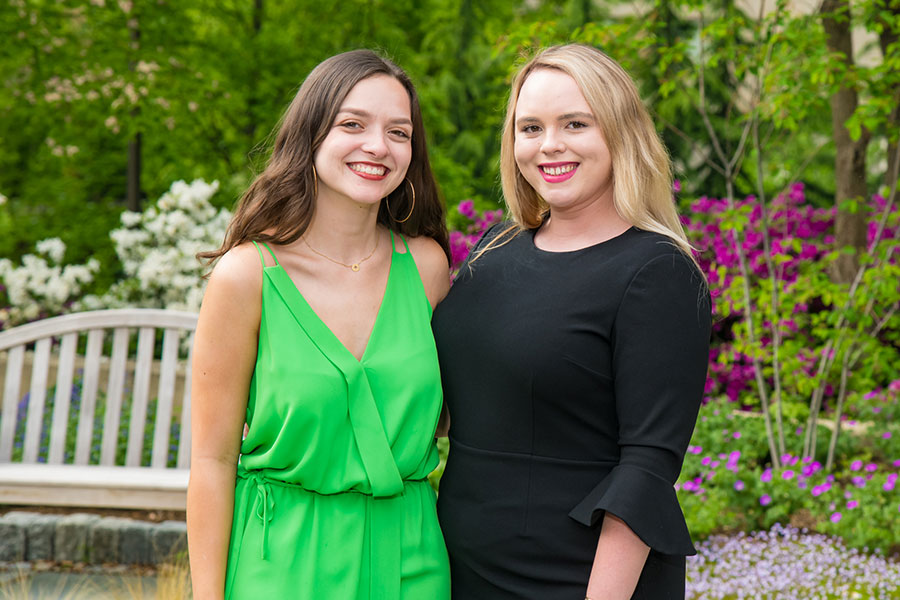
(278, 206)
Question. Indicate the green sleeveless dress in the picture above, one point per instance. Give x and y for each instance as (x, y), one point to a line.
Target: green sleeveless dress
(331, 497)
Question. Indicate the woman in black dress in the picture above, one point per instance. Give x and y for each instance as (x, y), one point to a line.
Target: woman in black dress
(573, 349)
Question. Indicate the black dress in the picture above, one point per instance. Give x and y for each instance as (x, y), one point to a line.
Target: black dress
(573, 381)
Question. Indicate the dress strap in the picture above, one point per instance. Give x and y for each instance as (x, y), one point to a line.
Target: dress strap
(391, 231)
(263, 260)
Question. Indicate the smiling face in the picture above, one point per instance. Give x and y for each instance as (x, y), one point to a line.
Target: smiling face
(366, 153)
(559, 146)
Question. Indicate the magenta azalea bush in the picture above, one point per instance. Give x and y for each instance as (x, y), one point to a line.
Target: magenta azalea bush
(800, 253)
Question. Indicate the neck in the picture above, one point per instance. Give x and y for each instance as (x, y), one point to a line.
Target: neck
(343, 230)
(575, 227)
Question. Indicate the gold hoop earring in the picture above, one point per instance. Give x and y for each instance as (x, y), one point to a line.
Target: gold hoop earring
(315, 182)
(412, 191)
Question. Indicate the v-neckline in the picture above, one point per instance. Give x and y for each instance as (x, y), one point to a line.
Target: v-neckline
(324, 332)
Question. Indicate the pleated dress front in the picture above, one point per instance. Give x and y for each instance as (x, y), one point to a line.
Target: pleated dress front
(332, 498)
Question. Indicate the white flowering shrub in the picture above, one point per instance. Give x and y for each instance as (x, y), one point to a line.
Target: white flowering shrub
(158, 250)
(41, 285)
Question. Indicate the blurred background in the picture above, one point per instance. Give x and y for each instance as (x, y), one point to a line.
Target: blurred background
(129, 129)
(105, 103)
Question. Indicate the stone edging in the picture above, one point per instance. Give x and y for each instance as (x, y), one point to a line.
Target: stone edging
(87, 538)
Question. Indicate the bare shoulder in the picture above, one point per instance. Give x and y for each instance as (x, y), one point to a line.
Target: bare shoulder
(433, 267)
(235, 283)
(239, 270)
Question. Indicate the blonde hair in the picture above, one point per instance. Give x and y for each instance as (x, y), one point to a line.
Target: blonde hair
(641, 169)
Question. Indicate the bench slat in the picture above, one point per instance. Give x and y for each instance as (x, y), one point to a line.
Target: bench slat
(114, 388)
(36, 399)
(14, 361)
(165, 398)
(65, 372)
(184, 438)
(32, 351)
(117, 317)
(140, 397)
(88, 396)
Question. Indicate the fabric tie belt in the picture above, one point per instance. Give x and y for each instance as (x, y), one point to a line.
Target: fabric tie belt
(383, 528)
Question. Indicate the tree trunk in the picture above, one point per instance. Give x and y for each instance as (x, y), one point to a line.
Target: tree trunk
(850, 158)
(133, 187)
(253, 82)
(888, 37)
(586, 11)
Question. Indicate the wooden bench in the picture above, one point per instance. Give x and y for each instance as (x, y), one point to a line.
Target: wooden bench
(64, 441)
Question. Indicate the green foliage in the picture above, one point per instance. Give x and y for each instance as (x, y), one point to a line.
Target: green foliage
(726, 486)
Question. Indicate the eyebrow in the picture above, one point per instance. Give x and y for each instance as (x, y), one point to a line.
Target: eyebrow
(364, 113)
(564, 117)
(576, 115)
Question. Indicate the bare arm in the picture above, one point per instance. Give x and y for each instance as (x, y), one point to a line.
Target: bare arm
(224, 355)
(618, 562)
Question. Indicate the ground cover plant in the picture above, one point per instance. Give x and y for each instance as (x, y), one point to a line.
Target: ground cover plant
(786, 563)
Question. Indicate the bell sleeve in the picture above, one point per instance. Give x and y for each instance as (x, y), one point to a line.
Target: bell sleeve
(660, 350)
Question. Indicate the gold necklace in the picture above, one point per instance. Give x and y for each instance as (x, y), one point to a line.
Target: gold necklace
(354, 266)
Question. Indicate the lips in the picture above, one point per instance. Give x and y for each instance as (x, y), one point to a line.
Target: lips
(557, 172)
(368, 170)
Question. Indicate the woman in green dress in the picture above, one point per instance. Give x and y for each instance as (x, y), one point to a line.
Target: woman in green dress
(315, 332)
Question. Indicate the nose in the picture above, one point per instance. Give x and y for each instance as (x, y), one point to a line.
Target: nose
(374, 144)
(552, 142)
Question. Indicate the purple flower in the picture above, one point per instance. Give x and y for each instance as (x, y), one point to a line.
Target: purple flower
(871, 468)
(787, 475)
(467, 209)
(706, 460)
(736, 435)
(765, 500)
(886, 435)
(856, 465)
(888, 486)
(739, 485)
(852, 504)
(766, 475)
(835, 517)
